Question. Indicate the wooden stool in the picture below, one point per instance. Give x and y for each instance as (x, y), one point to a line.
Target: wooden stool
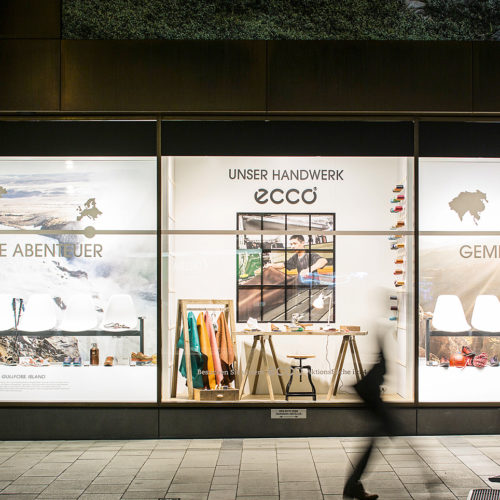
(300, 367)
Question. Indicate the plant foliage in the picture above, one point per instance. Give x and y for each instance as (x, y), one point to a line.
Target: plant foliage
(282, 19)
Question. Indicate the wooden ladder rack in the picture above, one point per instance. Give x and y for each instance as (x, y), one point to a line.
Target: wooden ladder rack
(183, 306)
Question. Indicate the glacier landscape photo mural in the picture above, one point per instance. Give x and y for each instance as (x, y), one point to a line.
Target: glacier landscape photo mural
(64, 195)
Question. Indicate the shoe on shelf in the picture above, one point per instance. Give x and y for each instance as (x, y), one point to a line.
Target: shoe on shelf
(140, 356)
(481, 360)
(109, 361)
(494, 362)
(42, 362)
(357, 490)
(444, 362)
(467, 351)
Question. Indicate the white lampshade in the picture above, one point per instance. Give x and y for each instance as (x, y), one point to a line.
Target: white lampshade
(486, 314)
(319, 302)
(449, 315)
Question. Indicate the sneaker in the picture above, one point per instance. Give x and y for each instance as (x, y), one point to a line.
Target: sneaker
(67, 361)
(444, 362)
(494, 361)
(77, 361)
(41, 362)
(481, 360)
(141, 357)
(109, 361)
(467, 351)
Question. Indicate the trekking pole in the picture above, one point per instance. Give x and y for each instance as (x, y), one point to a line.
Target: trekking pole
(15, 312)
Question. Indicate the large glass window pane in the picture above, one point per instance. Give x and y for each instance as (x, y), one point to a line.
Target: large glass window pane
(459, 307)
(302, 258)
(78, 273)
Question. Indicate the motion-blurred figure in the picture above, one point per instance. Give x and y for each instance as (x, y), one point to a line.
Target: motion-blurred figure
(368, 389)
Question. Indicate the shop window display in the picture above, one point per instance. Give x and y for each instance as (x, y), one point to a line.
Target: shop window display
(459, 287)
(78, 269)
(319, 263)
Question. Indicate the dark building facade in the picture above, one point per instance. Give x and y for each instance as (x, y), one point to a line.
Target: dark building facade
(151, 193)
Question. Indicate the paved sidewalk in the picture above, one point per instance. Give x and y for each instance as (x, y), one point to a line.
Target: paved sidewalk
(251, 469)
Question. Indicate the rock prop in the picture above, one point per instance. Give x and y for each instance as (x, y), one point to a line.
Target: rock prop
(54, 349)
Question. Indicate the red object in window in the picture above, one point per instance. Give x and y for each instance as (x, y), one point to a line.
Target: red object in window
(458, 360)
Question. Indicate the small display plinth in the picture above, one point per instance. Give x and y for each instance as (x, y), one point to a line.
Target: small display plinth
(216, 394)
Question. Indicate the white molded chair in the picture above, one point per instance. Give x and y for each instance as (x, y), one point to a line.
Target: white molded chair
(80, 314)
(120, 314)
(486, 313)
(40, 314)
(449, 314)
(6, 313)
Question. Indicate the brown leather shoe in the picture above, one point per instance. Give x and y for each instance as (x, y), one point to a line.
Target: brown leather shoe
(357, 491)
(109, 361)
(139, 356)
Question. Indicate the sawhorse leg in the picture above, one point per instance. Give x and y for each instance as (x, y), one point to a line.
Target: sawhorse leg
(334, 384)
(257, 373)
(355, 360)
(358, 358)
(266, 368)
(249, 364)
(275, 359)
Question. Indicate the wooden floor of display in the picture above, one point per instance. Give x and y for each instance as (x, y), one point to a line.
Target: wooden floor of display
(279, 398)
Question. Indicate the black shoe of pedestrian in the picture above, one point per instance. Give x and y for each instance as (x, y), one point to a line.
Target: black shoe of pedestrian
(494, 479)
(357, 490)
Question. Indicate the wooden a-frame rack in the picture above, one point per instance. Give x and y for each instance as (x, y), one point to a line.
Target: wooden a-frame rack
(183, 306)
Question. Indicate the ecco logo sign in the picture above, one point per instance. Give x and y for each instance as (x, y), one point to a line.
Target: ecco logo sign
(292, 196)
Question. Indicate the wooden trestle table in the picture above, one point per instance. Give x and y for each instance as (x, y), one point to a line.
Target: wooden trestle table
(260, 337)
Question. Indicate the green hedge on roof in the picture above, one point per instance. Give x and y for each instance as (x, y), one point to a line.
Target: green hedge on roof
(282, 19)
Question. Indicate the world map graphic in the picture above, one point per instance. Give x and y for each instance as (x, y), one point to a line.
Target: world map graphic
(471, 202)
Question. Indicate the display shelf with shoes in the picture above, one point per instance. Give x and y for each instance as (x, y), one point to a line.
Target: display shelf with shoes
(85, 333)
(448, 320)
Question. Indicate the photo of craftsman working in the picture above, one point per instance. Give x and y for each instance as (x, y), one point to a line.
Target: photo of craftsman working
(306, 263)
(280, 275)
